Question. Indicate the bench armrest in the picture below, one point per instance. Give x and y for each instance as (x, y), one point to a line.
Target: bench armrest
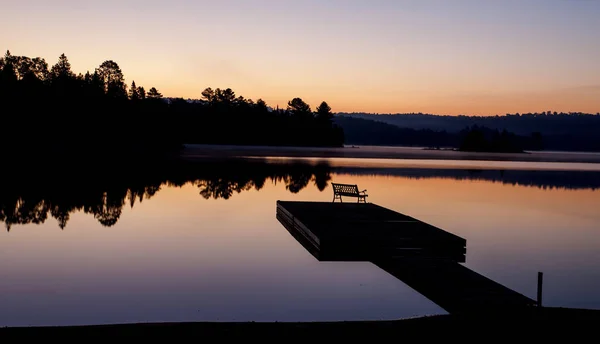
(365, 190)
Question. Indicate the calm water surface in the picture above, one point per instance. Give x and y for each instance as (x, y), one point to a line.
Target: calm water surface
(206, 246)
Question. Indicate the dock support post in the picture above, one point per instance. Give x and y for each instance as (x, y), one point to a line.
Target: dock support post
(539, 288)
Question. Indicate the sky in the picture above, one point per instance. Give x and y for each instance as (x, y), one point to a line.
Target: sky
(452, 57)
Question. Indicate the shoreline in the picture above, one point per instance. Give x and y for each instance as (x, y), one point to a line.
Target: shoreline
(536, 322)
(193, 151)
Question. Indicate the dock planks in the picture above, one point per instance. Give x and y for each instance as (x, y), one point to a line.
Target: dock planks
(366, 229)
(424, 257)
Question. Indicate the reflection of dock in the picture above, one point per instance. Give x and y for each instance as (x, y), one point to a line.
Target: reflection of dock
(424, 257)
(454, 287)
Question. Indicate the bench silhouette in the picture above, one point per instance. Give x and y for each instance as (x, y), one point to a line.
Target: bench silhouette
(348, 190)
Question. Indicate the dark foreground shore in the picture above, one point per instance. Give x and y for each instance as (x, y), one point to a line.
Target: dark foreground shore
(547, 323)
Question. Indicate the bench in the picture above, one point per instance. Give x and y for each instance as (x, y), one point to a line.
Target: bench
(348, 190)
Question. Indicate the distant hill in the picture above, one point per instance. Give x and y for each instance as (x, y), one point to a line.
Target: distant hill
(369, 132)
(522, 124)
(560, 131)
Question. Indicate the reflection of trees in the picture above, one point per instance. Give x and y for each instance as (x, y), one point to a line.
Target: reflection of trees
(298, 183)
(24, 211)
(322, 176)
(295, 176)
(62, 215)
(29, 201)
(108, 209)
(546, 180)
(220, 188)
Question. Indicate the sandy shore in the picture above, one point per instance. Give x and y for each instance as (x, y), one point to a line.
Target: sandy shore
(375, 152)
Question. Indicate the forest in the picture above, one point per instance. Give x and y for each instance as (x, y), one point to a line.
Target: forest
(573, 131)
(471, 138)
(52, 110)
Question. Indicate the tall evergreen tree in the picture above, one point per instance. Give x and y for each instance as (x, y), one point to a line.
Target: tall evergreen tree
(324, 114)
(142, 93)
(134, 92)
(62, 69)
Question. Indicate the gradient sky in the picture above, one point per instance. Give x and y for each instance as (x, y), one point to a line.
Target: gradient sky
(437, 56)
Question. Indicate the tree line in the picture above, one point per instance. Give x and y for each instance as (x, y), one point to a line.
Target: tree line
(97, 112)
(561, 131)
(546, 122)
(481, 139)
(472, 138)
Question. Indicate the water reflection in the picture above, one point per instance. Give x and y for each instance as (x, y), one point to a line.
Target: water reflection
(103, 194)
(543, 179)
(181, 257)
(105, 191)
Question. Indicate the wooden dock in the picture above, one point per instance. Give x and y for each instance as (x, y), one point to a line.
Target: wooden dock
(366, 230)
(424, 257)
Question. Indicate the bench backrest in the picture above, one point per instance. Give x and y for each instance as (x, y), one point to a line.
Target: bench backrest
(345, 189)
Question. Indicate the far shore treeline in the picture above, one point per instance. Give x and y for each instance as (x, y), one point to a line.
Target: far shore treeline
(50, 109)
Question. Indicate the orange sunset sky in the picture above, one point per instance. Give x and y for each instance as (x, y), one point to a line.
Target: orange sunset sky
(433, 56)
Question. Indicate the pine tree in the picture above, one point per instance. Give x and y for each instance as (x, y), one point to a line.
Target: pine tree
(324, 114)
(142, 93)
(62, 69)
(133, 92)
(154, 94)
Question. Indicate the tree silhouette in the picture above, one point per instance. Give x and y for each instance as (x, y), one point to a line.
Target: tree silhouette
(62, 69)
(324, 114)
(154, 94)
(25, 67)
(297, 107)
(9, 75)
(261, 105)
(97, 87)
(142, 93)
(114, 81)
(226, 96)
(209, 95)
(50, 103)
(478, 139)
(5, 59)
(134, 92)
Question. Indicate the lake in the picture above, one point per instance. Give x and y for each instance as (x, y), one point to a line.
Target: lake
(199, 241)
